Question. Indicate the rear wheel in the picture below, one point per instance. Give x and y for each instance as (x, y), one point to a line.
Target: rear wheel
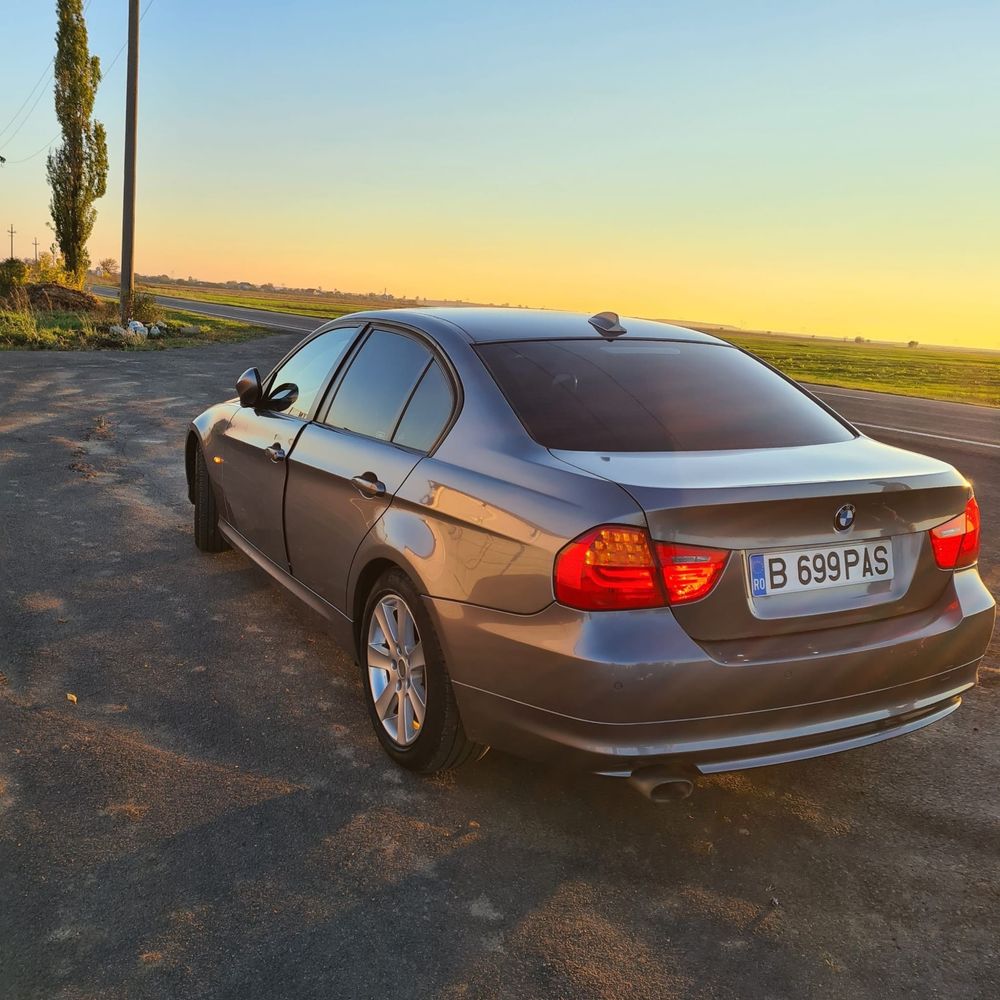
(407, 689)
(207, 536)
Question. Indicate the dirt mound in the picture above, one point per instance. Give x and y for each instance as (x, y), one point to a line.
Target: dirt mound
(58, 298)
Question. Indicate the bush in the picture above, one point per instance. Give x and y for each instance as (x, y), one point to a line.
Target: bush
(50, 270)
(13, 273)
(145, 308)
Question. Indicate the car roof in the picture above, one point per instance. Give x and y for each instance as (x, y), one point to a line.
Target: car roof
(485, 325)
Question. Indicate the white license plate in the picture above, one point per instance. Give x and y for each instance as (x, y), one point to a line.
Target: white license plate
(791, 571)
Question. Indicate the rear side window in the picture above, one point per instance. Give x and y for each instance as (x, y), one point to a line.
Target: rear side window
(427, 412)
(378, 384)
(643, 395)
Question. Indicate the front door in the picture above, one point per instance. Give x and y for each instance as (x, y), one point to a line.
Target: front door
(258, 442)
(347, 466)
(257, 445)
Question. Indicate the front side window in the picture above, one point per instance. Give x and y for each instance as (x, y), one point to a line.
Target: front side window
(310, 367)
(378, 384)
(646, 395)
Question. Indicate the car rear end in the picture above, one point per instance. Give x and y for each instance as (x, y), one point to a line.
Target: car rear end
(797, 588)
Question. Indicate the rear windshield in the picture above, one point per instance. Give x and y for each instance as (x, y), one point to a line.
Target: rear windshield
(644, 395)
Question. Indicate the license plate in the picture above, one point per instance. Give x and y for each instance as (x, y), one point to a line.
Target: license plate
(791, 571)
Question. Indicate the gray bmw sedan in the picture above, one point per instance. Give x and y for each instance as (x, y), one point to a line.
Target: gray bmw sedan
(613, 543)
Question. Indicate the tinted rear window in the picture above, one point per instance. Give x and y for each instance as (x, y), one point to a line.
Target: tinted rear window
(642, 395)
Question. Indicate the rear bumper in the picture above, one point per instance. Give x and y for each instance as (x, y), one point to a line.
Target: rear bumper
(724, 743)
(614, 692)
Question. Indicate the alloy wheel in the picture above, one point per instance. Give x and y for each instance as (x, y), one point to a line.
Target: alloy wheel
(397, 676)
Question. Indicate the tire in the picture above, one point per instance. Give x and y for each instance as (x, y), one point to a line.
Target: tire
(438, 741)
(207, 536)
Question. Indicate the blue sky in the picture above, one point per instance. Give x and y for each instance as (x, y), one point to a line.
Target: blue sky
(826, 166)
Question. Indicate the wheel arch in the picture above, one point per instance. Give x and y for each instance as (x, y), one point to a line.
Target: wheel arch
(365, 581)
(207, 431)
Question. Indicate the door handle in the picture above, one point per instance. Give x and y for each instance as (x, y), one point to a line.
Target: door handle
(275, 453)
(369, 484)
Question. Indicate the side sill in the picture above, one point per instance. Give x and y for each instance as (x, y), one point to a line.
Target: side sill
(341, 626)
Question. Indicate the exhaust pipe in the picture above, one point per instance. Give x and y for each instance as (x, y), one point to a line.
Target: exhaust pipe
(663, 782)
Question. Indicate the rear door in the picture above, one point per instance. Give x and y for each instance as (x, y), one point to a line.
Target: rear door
(258, 441)
(386, 413)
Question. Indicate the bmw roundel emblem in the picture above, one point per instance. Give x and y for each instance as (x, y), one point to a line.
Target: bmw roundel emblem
(844, 517)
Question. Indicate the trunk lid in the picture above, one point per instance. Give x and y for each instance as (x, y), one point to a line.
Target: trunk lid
(768, 500)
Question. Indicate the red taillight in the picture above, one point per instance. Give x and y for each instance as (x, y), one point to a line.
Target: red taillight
(613, 568)
(609, 568)
(689, 572)
(956, 542)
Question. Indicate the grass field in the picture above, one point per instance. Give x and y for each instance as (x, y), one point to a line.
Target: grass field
(937, 373)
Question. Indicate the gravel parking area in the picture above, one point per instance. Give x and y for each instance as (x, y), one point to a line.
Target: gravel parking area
(212, 817)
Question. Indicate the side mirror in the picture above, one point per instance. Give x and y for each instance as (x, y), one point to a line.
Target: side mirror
(249, 388)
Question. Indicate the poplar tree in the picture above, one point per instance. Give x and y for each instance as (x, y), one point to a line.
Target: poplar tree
(78, 169)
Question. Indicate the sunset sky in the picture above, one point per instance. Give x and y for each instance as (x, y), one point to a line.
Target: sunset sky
(830, 167)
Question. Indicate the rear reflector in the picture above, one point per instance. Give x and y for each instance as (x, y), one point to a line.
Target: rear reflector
(615, 568)
(956, 542)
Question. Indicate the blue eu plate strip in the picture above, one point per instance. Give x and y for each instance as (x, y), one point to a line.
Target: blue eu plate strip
(758, 581)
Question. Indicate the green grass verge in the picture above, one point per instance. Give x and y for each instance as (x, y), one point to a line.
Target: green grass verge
(60, 331)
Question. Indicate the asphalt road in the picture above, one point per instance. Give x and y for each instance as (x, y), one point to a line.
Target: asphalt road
(285, 322)
(919, 424)
(212, 816)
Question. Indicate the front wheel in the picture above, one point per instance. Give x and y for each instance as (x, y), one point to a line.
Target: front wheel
(407, 689)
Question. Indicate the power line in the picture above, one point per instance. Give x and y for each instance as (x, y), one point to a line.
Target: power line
(33, 89)
(24, 120)
(37, 151)
(31, 93)
(104, 73)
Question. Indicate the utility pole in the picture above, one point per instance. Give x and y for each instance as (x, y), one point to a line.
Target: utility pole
(131, 121)
(12, 232)
(36, 249)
